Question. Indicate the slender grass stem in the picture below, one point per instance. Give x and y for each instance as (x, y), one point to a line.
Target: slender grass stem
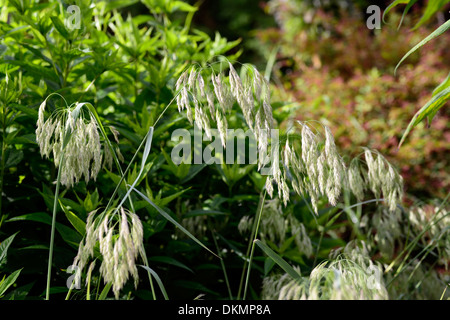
(221, 262)
(70, 290)
(150, 279)
(52, 234)
(252, 236)
(253, 244)
(88, 294)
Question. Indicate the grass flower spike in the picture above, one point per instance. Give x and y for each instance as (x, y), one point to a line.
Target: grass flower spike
(68, 133)
(213, 96)
(120, 239)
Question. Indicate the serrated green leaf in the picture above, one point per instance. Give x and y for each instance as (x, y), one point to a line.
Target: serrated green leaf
(60, 27)
(14, 157)
(69, 235)
(165, 201)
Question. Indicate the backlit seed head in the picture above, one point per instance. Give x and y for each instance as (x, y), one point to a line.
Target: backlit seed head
(69, 131)
(315, 167)
(120, 238)
(205, 90)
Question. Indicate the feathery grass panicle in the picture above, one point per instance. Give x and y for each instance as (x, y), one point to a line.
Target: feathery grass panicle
(68, 130)
(120, 239)
(314, 166)
(213, 96)
(387, 228)
(284, 287)
(382, 178)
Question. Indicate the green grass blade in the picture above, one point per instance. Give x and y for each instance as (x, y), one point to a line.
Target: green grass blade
(444, 27)
(392, 5)
(432, 7)
(428, 110)
(408, 6)
(105, 291)
(158, 280)
(169, 218)
(444, 85)
(145, 155)
(278, 260)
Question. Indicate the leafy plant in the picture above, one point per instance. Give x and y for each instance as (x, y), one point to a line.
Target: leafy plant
(96, 97)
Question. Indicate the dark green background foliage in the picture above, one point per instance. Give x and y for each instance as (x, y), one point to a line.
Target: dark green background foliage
(125, 60)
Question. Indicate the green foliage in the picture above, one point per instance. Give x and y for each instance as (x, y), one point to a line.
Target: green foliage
(119, 68)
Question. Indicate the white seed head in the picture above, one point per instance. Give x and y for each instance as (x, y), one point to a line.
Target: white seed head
(120, 238)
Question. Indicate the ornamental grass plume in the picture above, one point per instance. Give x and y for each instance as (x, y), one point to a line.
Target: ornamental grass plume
(213, 96)
(275, 226)
(68, 135)
(120, 242)
(311, 163)
(349, 275)
(74, 142)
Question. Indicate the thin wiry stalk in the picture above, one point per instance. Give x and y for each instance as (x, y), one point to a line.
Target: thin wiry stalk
(222, 264)
(253, 245)
(250, 243)
(403, 266)
(52, 232)
(150, 278)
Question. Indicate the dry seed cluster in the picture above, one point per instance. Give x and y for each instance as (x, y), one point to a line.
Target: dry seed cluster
(349, 276)
(319, 171)
(120, 238)
(213, 96)
(315, 169)
(68, 130)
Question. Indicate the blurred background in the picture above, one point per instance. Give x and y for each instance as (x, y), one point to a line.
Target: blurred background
(327, 65)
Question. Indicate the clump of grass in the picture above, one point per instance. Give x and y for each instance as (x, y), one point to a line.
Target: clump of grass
(313, 166)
